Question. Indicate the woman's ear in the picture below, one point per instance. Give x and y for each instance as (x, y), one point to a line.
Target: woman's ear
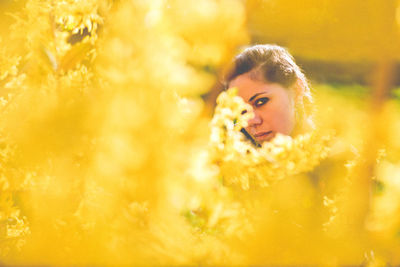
(298, 91)
(299, 109)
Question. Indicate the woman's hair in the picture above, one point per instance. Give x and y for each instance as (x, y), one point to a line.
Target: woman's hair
(275, 65)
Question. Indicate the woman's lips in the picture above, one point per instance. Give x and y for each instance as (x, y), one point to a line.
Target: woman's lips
(262, 135)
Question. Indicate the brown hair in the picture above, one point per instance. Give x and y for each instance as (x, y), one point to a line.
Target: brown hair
(275, 65)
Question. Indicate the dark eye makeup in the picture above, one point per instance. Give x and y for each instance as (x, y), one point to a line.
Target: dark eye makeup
(261, 101)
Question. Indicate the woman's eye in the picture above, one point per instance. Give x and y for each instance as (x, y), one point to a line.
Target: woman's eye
(261, 101)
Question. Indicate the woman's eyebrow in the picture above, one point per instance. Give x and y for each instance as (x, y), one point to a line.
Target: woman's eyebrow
(254, 96)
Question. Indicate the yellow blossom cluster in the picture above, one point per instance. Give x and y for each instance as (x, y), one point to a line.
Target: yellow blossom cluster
(14, 226)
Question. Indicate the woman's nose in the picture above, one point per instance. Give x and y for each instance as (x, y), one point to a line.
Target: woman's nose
(255, 121)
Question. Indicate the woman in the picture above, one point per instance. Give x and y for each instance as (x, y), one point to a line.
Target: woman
(268, 79)
(304, 194)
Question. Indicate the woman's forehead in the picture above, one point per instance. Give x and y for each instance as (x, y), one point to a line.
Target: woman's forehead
(245, 79)
(249, 83)
(248, 87)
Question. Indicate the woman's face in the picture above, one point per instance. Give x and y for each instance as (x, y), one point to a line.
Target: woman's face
(273, 106)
